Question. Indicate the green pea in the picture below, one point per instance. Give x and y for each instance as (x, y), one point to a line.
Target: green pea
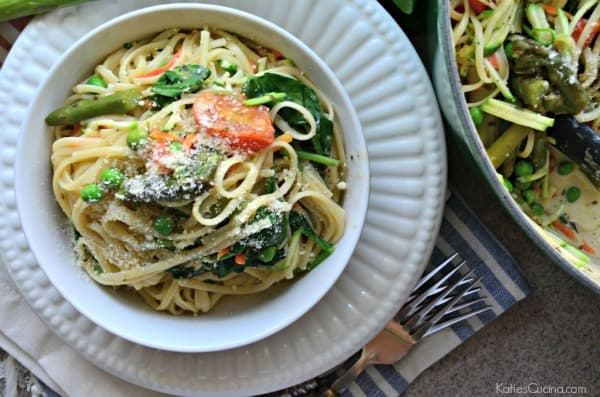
(228, 66)
(572, 194)
(136, 137)
(537, 208)
(522, 186)
(476, 115)
(523, 168)
(267, 254)
(164, 224)
(508, 185)
(176, 146)
(91, 193)
(565, 168)
(529, 196)
(97, 81)
(112, 178)
(486, 13)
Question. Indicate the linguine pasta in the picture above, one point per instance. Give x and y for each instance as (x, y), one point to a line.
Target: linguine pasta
(199, 184)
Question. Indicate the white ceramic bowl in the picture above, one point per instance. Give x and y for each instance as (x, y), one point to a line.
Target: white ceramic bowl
(235, 321)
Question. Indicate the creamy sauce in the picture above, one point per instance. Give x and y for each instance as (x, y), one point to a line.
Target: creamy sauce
(584, 213)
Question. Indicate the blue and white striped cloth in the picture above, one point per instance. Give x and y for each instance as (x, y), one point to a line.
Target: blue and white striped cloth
(503, 284)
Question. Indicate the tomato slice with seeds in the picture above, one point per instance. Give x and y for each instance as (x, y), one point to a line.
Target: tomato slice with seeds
(478, 7)
(245, 128)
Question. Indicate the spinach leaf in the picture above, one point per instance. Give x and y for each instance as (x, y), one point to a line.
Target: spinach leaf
(301, 94)
(177, 81)
(270, 185)
(270, 237)
(298, 221)
(260, 249)
(183, 271)
(226, 264)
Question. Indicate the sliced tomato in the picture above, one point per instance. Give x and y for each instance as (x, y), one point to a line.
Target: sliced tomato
(242, 127)
(477, 6)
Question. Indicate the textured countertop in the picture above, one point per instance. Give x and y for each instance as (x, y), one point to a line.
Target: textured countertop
(548, 341)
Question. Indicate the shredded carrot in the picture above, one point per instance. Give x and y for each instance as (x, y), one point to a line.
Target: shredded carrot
(276, 54)
(564, 229)
(550, 10)
(164, 136)
(287, 138)
(222, 252)
(163, 69)
(579, 29)
(494, 61)
(77, 128)
(252, 64)
(587, 247)
(189, 141)
(240, 259)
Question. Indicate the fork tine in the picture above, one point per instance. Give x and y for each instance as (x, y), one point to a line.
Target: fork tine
(460, 305)
(470, 292)
(440, 313)
(433, 272)
(411, 307)
(464, 305)
(417, 319)
(441, 288)
(454, 320)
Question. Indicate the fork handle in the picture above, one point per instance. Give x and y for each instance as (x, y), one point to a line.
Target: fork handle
(344, 380)
(393, 334)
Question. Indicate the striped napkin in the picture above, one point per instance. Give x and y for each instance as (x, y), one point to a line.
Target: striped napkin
(503, 284)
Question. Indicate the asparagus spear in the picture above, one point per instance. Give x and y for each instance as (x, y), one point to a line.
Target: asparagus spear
(120, 103)
(510, 139)
(10, 9)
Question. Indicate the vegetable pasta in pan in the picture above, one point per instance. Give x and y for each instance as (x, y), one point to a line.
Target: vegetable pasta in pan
(197, 164)
(529, 72)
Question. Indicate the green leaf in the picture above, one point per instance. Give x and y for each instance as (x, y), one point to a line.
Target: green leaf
(297, 221)
(300, 93)
(406, 6)
(10, 9)
(180, 80)
(269, 237)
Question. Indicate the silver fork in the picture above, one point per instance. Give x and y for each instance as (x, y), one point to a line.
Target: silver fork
(437, 302)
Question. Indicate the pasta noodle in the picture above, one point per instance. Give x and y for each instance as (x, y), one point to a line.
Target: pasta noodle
(205, 186)
(529, 74)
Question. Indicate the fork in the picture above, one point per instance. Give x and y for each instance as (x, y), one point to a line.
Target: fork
(435, 297)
